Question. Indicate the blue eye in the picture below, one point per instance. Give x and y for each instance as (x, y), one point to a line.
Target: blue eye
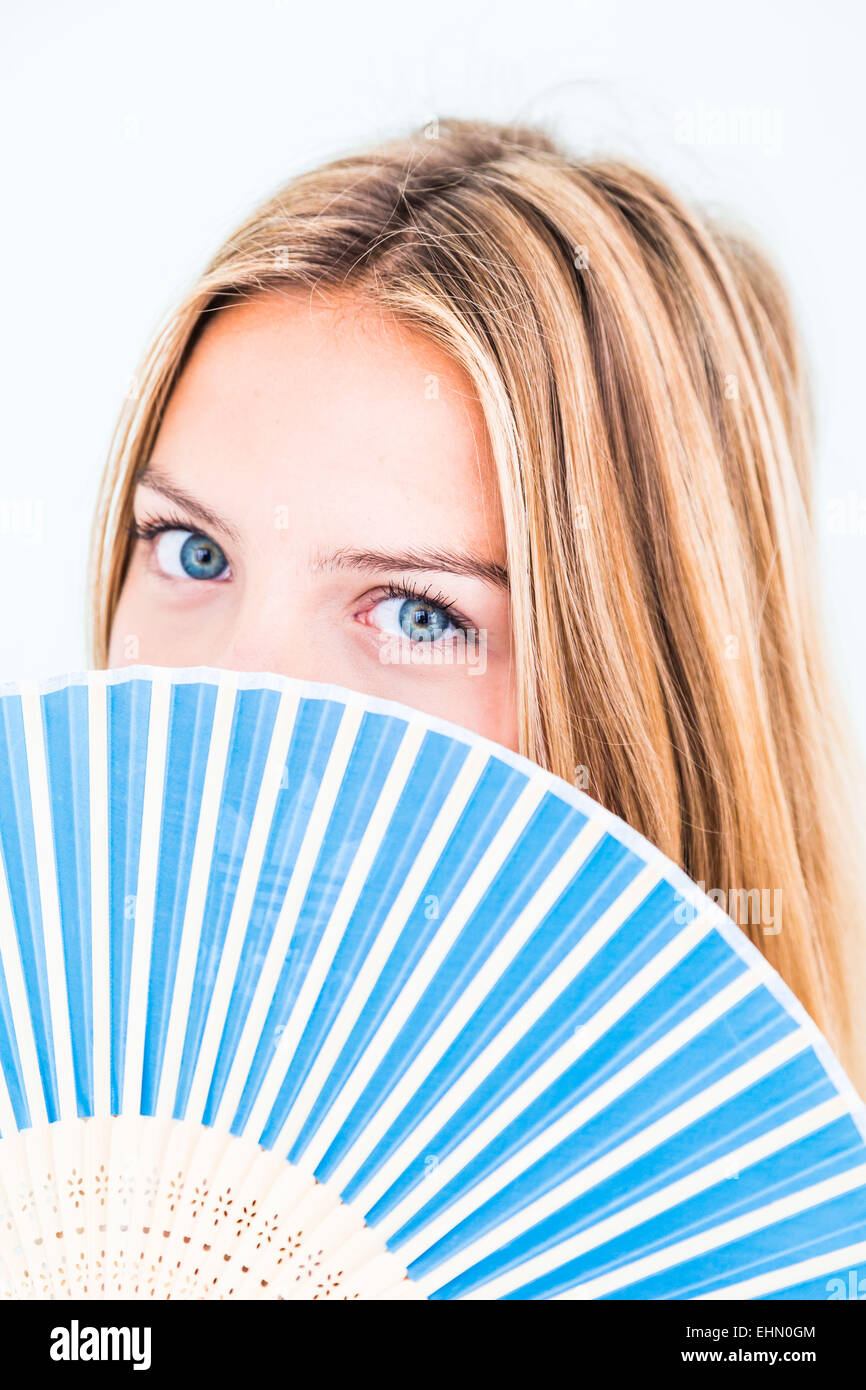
(190, 555)
(201, 558)
(421, 621)
(417, 619)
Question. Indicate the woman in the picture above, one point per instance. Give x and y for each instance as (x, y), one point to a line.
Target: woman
(466, 394)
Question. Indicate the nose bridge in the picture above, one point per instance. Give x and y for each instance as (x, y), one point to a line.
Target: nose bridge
(268, 634)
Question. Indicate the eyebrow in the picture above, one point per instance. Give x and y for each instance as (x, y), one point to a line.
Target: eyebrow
(367, 561)
(417, 561)
(150, 476)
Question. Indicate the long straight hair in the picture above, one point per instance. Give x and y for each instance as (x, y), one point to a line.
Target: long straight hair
(644, 393)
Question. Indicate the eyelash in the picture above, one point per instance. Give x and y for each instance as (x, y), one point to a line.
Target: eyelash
(149, 530)
(426, 595)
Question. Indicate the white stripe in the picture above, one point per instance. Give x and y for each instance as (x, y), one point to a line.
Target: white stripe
(319, 966)
(145, 893)
(19, 1004)
(734, 1162)
(52, 934)
(848, 1258)
(269, 790)
(535, 1084)
(199, 879)
(418, 876)
(532, 1009)
(489, 974)
(100, 912)
(609, 1163)
(437, 948)
(725, 1234)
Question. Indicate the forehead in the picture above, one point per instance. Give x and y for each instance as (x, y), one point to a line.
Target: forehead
(331, 406)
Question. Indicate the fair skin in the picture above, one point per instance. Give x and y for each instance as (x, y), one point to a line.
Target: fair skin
(332, 513)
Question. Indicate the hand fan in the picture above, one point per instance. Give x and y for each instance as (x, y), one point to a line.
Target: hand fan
(304, 994)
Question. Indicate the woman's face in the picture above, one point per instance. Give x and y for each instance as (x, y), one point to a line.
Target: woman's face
(321, 502)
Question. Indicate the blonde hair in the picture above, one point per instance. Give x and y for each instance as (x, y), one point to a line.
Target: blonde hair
(645, 400)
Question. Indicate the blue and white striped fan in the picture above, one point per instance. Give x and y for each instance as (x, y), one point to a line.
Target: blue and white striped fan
(306, 994)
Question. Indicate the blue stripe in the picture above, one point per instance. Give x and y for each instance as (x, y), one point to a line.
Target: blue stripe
(10, 1061)
(848, 1282)
(67, 752)
(18, 845)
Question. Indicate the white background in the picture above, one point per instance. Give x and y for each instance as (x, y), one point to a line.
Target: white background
(138, 134)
